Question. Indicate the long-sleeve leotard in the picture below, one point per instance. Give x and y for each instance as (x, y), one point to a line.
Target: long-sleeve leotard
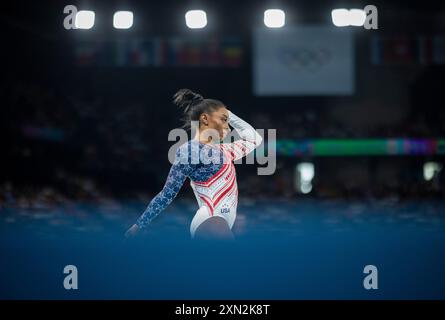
(214, 180)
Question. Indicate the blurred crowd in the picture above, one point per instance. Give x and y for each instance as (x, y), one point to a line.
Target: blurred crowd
(308, 123)
(62, 147)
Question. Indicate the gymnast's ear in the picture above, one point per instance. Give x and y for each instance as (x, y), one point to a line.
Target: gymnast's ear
(204, 119)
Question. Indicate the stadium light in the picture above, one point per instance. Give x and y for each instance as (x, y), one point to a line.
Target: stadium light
(340, 17)
(431, 169)
(345, 17)
(357, 17)
(84, 19)
(304, 174)
(196, 19)
(274, 18)
(306, 170)
(306, 188)
(123, 19)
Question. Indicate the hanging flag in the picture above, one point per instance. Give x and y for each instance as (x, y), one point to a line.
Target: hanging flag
(304, 60)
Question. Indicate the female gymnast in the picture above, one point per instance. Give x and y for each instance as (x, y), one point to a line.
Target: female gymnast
(208, 163)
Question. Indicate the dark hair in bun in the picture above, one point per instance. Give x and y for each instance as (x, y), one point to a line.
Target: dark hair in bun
(194, 105)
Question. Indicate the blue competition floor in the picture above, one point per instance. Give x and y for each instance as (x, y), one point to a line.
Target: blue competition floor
(303, 250)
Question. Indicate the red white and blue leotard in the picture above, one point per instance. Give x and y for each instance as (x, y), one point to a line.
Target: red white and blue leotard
(212, 174)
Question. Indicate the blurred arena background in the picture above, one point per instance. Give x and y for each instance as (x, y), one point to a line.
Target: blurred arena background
(360, 121)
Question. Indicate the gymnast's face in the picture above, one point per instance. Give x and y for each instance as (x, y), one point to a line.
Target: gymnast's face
(217, 120)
